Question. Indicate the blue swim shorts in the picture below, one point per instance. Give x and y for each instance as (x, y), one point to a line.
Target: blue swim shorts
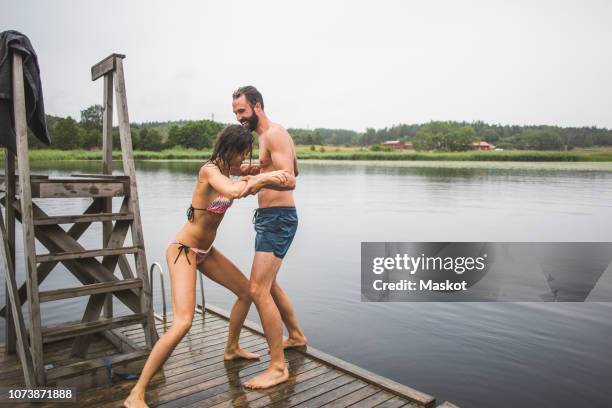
(275, 228)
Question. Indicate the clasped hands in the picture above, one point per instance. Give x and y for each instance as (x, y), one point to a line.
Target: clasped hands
(257, 182)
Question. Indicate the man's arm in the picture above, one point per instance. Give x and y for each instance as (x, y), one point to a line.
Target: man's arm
(245, 170)
(282, 156)
(279, 180)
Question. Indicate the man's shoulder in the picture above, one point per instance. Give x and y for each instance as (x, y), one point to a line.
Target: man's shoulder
(276, 133)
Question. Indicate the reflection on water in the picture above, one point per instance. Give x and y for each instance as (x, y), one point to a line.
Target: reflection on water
(476, 355)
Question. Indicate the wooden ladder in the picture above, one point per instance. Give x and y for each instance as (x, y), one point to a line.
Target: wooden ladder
(97, 277)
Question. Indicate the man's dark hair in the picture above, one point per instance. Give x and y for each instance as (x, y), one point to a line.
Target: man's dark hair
(251, 94)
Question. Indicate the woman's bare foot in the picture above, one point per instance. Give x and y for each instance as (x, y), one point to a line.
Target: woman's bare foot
(268, 378)
(135, 400)
(239, 353)
(293, 342)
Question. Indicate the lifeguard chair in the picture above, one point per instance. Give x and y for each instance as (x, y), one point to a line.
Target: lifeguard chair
(94, 268)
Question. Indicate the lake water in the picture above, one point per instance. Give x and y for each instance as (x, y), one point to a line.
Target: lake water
(474, 355)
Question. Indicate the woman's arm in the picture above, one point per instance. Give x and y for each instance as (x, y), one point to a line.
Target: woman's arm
(280, 180)
(220, 182)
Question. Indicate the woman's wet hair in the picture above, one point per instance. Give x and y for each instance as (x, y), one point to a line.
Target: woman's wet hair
(231, 141)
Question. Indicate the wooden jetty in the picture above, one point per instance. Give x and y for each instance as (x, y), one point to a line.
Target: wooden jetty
(196, 375)
(78, 353)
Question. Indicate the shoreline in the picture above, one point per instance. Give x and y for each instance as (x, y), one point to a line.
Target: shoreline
(599, 155)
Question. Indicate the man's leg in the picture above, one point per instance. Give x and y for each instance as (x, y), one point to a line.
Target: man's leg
(296, 335)
(263, 273)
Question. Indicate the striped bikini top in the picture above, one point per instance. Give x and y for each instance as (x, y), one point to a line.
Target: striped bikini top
(218, 206)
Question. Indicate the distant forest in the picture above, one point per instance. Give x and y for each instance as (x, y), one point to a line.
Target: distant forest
(86, 133)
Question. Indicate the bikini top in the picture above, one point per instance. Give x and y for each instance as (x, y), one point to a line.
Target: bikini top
(218, 206)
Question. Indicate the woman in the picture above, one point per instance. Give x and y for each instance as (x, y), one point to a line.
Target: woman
(192, 248)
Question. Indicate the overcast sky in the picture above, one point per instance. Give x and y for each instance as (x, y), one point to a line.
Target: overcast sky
(336, 64)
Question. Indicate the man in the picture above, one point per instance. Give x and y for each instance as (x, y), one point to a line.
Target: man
(275, 224)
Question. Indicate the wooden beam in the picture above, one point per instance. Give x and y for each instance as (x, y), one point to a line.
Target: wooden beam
(87, 270)
(25, 195)
(105, 66)
(13, 301)
(88, 218)
(91, 289)
(67, 331)
(44, 269)
(92, 253)
(93, 364)
(130, 170)
(107, 164)
(9, 171)
(95, 303)
(77, 188)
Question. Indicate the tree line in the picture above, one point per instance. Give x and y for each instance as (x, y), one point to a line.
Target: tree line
(68, 133)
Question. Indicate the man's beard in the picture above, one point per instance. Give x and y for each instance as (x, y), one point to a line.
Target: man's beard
(252, 122)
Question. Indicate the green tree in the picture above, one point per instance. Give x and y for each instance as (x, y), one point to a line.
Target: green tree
(196, 135)
(150, 139)
(91, 118)
(66, 134)
(445, 136)
(92, 139)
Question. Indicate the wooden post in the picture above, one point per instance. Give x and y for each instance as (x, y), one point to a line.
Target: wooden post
(9, 171)
(107, 168)
(12, 300)
(130, 170)
(25, 195)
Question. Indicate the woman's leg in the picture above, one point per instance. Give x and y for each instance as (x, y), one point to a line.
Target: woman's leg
(183, 278)
(220, 269)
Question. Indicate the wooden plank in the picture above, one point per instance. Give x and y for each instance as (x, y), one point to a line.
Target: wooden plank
(297, 382)
(107, 166)
(91, 289)
(105, 66)
(92, 253)
(25, 194)
(47, 189)
(351, 369)
(85, 366)
(95, 304)
(82, 218)
(18, 322)
(395, 402)
(165, 381)
(105, 176)
(332, 395)
(366, 397)
(447, 404)
(86, 270)
(9, 170)
(134, 207)
(119, 341)
(298, 398)
(43, 270)
(66, 331)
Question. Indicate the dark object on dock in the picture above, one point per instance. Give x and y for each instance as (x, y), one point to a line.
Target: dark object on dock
(196, 375)
(97, 277)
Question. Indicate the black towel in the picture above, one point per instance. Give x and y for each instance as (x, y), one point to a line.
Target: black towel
(12, 41)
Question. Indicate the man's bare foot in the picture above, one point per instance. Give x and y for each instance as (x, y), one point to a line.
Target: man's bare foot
(268, 378)
(135, 400)
(293, 342)
(240, 353)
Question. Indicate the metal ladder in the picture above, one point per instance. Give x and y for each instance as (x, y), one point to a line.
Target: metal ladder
(162, 275)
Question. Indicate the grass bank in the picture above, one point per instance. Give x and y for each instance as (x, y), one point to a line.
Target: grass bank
(349, 153)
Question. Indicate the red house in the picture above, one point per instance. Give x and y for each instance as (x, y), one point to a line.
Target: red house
(482, 145)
